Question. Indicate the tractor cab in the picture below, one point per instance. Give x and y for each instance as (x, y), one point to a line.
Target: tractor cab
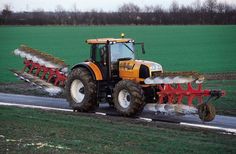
(107, 52)
(115, 58)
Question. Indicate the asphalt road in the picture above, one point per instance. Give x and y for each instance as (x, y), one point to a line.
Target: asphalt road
(219, 121)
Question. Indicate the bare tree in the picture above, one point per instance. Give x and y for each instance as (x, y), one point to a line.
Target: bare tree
(220, 8)
(61, 14)
(148, 9)
(197, 5)
(129, 7)
(209, 12)
(59, 8)
(38, 17)
(174, 12)
(74, 8)
(158, 9)
(210, 5)
(74, 14)
(6, 12)
(174, 7)
(159, 14)
(130, 13)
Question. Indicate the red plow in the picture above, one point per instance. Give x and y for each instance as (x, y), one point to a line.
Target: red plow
(42, 69)
(51, 75)
(172, 96)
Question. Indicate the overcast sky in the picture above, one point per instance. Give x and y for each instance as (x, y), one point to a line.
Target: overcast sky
(86, 5)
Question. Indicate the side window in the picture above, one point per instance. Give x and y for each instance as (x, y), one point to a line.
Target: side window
(93, 51)
(103, 53)
(98, 53)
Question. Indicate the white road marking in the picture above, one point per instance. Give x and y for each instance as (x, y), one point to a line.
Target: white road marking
(100, 113)
(231, 130)
(146, 119)
(35, 107)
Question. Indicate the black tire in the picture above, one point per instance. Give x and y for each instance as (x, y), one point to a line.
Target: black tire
(206, 112)
(87, 91)
(134, 96)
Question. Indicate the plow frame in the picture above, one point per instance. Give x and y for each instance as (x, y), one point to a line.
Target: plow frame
(45, 73)
(173, 94)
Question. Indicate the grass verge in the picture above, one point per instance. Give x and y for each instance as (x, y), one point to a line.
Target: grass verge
(35, 131)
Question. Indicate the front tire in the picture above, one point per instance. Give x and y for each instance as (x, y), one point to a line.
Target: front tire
(128, 98)
(81, 90)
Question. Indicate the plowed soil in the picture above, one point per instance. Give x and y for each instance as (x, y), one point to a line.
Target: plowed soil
(221, 76)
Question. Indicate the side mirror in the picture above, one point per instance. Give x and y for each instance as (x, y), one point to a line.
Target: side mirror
(142, 46)
(143, 50)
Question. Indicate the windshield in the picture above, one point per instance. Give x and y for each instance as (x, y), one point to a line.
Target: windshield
(122, 50)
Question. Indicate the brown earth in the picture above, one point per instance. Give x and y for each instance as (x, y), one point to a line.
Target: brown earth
(221, 76)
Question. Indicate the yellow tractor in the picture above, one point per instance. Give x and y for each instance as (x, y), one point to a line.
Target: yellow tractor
(114, 75)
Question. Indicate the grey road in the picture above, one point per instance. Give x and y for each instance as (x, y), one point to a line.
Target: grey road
(219, 121)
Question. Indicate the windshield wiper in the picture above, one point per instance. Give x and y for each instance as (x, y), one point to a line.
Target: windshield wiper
(128, 47)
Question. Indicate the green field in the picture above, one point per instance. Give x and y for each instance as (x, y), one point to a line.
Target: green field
(199, 48)
(32, 131)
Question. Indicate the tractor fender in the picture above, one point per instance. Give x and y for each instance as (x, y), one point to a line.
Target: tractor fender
(92, 68)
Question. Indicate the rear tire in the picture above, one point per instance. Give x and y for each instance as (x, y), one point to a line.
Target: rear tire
(80, 90)
(128, 98)
(206, 112)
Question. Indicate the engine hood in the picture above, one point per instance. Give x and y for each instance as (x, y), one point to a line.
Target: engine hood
(138, 69)
(153, 66)
(130, 64)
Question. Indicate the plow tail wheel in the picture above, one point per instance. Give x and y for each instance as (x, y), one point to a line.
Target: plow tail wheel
(206, 112)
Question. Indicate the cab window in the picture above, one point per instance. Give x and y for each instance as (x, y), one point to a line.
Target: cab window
(99, 53)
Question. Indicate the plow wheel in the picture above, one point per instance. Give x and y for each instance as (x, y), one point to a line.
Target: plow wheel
(206, 112)
(128, 98)
(81, 90)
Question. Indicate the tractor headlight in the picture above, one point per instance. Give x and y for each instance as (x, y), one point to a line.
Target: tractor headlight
(156, 67)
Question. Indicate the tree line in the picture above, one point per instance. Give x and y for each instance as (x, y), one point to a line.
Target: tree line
(209, 12)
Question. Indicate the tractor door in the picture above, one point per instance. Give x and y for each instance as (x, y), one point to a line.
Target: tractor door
(99, 55)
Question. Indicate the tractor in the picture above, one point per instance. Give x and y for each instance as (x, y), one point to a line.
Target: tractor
(112, 74)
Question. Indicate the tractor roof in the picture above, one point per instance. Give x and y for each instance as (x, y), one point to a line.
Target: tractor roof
(104, 40)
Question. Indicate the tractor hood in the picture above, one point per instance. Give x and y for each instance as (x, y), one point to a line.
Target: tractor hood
(131, 64)
(151, 65)
(138, 69)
